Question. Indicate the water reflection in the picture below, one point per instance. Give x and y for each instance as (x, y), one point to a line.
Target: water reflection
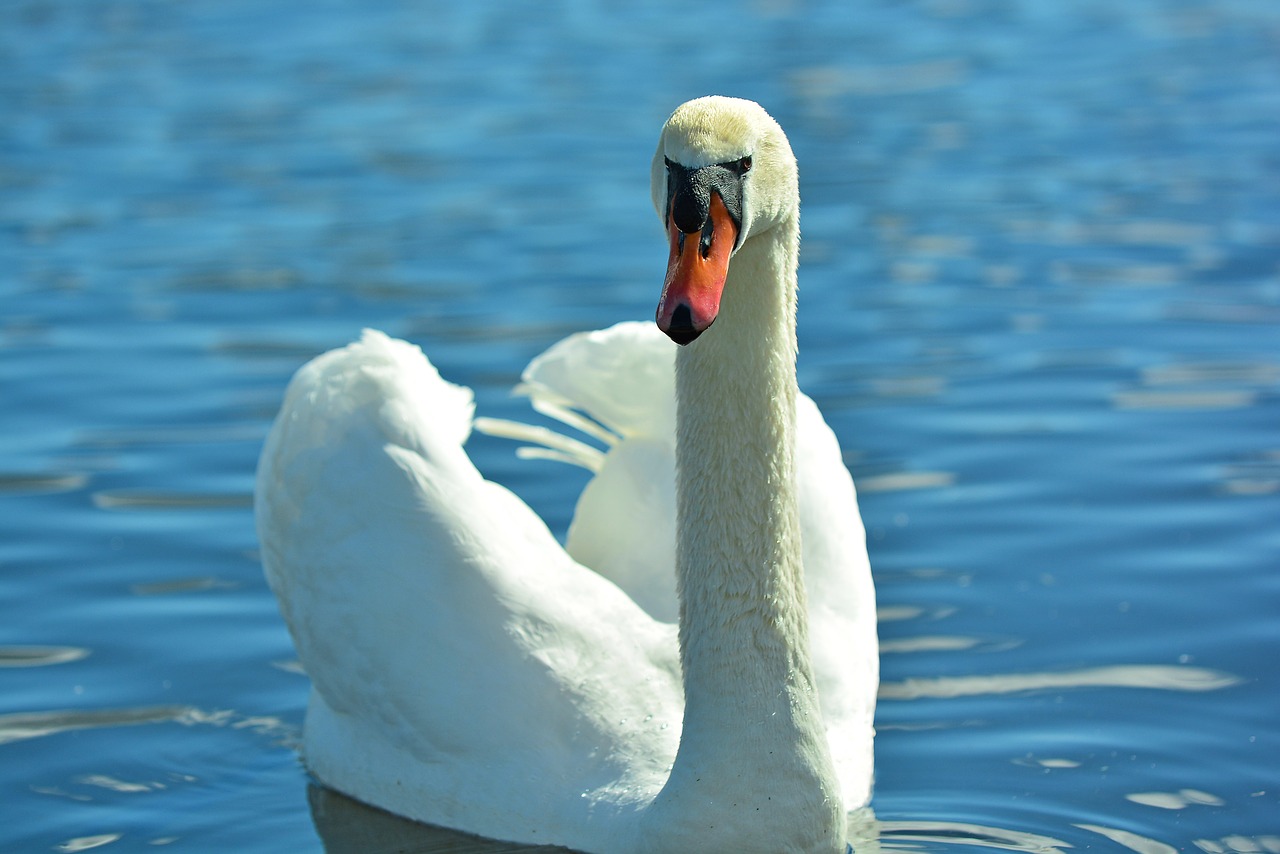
(173, 434)
(1257, 476)
(1196, 373)
(26, 725)
(105, 781)
(909, 836)
(31, 483)
(1240, 844)
(137, 499)
(86, 843)
(182, 585)
(820, 84)
(39, 656)
(1130, 840)
(22, 726)
(899, 481)
(1224, 312)
(1175, 800)
(1206, 399)
(942, 643)
(1163, 677)
(349, 827)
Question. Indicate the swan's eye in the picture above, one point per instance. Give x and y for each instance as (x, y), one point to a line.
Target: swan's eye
(738, 167)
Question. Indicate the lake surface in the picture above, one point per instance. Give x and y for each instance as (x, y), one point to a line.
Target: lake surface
(1040, 293)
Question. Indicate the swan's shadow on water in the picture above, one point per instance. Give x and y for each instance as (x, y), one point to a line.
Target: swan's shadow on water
(350, 827)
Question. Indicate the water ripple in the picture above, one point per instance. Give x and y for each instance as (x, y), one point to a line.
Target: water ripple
(945, 643)
(145, 500)
(39, 656)
(27, 725)
(22, 726)
(1211, 399)
(962, 833)
(32, 483)
(1240, 844)
(1158, 676)
(899, 481)
(1175, 800)
(85, 843)
(1132, 841)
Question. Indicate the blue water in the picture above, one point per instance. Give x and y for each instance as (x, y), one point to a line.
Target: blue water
(1040, 293)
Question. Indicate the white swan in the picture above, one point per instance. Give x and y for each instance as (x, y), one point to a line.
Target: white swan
(468, 671)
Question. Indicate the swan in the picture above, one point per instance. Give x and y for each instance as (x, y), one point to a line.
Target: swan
(469, 671)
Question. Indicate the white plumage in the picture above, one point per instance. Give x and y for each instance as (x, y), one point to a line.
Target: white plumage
(469, 671)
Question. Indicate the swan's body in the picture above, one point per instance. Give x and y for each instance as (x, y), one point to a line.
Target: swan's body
(468, 671)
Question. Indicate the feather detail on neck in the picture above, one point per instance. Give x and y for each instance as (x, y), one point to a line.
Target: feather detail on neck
(751, 714)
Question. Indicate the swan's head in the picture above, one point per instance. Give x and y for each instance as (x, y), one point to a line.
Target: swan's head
(723, 173)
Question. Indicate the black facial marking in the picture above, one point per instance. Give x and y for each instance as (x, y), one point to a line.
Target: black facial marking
(689, 194)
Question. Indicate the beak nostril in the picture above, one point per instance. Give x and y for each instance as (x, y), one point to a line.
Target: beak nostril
(708, 232)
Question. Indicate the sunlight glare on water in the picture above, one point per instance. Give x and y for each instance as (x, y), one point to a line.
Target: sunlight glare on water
(1040, 288)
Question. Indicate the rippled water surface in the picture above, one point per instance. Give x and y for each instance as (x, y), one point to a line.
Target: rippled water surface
(1040, 294)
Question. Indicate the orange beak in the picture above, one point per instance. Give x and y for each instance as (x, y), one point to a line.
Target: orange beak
(696, 270)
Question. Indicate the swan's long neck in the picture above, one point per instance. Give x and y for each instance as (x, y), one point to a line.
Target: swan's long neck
(753, 754)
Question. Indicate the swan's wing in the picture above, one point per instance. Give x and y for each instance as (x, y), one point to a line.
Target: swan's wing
(465, 670)
(624, 523)
(842, 600)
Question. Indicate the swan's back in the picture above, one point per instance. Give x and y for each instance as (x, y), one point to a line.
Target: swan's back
(465, 670)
